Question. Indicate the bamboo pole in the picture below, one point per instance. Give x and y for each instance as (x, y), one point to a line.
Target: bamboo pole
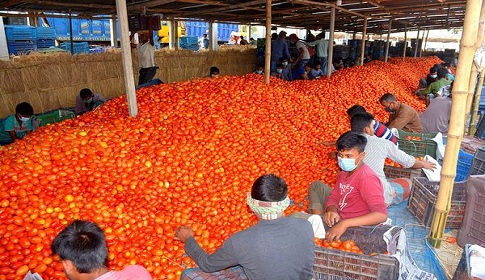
(330, 42)
(112, 29)
(126, 58)
(421, 45)
(405, 41)
(416, 47)
(212, 39)
(267, 56)
(457, 121)
(476, 104)
(386, 56)
(426, 40)
(362, 47)
(474, 73)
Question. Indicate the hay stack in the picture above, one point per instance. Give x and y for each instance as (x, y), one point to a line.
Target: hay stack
(52, 80)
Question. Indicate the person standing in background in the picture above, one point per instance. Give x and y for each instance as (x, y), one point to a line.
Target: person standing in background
(146, 57)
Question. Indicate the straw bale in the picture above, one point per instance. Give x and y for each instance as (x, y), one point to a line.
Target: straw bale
(53, 80)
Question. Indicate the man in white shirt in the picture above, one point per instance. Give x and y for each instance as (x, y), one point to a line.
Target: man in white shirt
(303, 55)
(322, 50)
(146, 58)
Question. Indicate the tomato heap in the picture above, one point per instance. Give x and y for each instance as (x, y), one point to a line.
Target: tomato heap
(188, 158)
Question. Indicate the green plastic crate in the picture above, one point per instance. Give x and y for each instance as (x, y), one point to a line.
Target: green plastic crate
(417, 148)
(55, 117)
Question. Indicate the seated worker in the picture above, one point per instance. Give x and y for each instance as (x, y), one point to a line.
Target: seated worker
(276, 247)
(287, 74)
(307, 75)
(280, 73)
(16, 126)
(82, 248)
(317, 71)
(430, 78)
(87, 100)
(259, 69)
(431, 91)
(436, 118)
(214, 72)
(380, 130)
(450, 75)
(358, 196)
(338, 64)
(376, 152)
(401, 116)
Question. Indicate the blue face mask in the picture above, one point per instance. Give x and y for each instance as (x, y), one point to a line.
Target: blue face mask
(347, 164)
(89, 100)
(279, 71)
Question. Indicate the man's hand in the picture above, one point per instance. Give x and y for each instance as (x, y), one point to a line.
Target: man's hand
(336, 231)
(428, 165)
(331, 217)
(183, 233)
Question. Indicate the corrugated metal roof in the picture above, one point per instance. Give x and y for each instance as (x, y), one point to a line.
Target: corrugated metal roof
(410, 14)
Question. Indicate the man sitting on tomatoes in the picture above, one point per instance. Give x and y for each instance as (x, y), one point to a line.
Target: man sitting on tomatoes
(358, 196)
(82, 248)
(276, 247)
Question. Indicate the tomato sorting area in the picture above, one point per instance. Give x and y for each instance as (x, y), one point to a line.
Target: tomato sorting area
(188, 158)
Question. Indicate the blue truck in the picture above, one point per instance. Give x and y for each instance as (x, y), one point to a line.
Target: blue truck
(98, 30)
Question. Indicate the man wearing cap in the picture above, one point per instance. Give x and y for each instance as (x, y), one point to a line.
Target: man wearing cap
(303, 55)
(279, 50)
(276, 247)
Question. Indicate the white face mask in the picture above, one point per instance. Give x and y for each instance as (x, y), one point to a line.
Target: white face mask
(279, 71)
(24, 119)
(259, 71)
(89, 100)
(433, 76)
(285, 63)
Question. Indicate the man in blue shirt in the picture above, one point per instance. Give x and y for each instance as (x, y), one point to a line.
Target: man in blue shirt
(279, 50)
(17, 126)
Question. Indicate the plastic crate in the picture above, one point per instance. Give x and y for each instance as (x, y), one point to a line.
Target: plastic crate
(473, 229)
(55, 116)
(46, 33)
(478, 164)
(45, 43)
(20, 33)
(20, 47)
(463, 166)
(81, 47)
(417, 148)
(422, 201)
(393, 172)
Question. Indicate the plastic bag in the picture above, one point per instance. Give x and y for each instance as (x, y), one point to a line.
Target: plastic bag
(479, 58)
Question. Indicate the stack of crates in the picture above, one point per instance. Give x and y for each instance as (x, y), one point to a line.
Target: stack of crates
(46, 37)
(189, 43)
(81, 47)
(463, 166)
(21, 39)
(478, 164)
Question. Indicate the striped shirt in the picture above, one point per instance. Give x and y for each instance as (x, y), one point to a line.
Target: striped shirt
(382, 131)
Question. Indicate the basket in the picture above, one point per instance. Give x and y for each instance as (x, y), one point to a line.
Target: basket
(463, 166)
(54, 117)
(417, 148)
(423, 198)
(20, 33)
(20, 47)
(393, 172)
(473, 229)
(339, 265)
(336, 265)
(478, 164)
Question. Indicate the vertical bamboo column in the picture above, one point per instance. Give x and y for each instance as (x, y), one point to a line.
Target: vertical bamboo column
(426, 41)
(421, 45)
(212, 39)
(476, 104)
(405, 41)
(267, 56)
(416, 47)
(474, 73)
(386, 56)
(330, 42)
(113, 33)
(457, 121)
(175, 26)
(126, 57)
(362, 48)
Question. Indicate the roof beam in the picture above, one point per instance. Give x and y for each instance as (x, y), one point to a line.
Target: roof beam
(67, 6)
(214, 10)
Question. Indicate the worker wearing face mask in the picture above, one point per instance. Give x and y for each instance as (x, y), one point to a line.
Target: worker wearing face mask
(87, 100)
(401, 116)
(17, 126)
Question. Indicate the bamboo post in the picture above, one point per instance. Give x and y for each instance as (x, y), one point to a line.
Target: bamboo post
(175, 26)
(212, 40)
(330, 42)
(473, 76)
(362, 48)
(71, 42)
(416, 47)
(267, 55)
(457, 121)
(426, 41)
(171, 38)
(405, 41)
(476, 104)
(386, 56)
(421, 45)
(126, 58)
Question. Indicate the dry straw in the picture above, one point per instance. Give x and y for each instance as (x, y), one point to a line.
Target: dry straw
(52, 80)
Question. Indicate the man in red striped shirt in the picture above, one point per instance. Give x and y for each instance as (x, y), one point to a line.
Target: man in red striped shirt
(380, 130)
